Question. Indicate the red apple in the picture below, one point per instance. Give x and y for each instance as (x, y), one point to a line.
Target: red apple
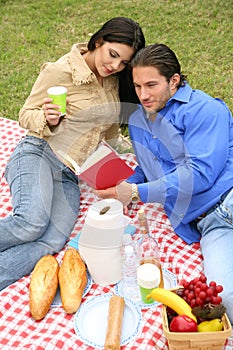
(183, 323)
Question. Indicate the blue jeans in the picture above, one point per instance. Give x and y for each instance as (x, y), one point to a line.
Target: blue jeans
(217, 248)
(45, 200)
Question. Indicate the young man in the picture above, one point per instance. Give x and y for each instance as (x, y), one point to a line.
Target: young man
(183, 141)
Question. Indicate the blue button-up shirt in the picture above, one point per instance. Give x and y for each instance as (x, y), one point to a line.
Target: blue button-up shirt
(185, 157)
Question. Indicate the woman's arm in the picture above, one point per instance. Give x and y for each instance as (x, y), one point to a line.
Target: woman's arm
(32, 115)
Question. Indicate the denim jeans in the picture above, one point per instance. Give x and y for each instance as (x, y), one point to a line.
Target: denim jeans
(45, 200)
(217, 248)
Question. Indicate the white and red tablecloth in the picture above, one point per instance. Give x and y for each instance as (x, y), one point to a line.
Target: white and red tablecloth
(56, 330)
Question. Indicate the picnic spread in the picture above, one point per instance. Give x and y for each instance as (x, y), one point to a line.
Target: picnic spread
(60, 330)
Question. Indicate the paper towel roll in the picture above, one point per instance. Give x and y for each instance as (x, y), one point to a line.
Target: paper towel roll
(106, 214)
(104, 225)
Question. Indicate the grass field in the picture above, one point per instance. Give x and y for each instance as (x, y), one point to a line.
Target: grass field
(33, 32)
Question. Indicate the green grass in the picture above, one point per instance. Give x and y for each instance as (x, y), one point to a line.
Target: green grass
(33, 32)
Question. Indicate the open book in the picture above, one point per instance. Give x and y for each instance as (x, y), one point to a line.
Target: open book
(104, 168)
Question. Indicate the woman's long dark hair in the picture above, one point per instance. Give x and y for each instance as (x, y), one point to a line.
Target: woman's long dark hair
(125, 31)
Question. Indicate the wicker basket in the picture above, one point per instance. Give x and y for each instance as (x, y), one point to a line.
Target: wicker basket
(196, 340)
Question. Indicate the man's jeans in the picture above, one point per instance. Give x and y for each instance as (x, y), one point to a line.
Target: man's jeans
(217, 248)
(45, 199)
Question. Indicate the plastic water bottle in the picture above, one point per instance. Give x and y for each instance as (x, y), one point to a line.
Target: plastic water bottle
(130, 263)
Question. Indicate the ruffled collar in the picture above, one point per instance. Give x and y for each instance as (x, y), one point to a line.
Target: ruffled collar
(81, 73)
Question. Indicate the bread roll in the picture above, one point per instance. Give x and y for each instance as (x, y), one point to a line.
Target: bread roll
(72, 280)
(43, 286)
(114, 326)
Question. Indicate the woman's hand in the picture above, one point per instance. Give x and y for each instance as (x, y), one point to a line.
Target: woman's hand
(122, 192)
(51, 111)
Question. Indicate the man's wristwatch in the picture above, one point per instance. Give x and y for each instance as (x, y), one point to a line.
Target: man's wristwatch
(134, 194)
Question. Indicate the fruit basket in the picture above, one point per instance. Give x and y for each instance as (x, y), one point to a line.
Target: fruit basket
(196, 340)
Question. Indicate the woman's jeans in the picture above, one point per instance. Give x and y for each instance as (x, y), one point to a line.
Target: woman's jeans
(45, 200)
(217, 248)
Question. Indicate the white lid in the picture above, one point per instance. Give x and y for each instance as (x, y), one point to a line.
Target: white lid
(148, 276)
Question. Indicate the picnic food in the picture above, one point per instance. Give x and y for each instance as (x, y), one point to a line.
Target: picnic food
(114, 325)
(215, 325)
(204, 301)
(198, 292)
(204, 298)
(209, 311)
(72, 280)
(183, 323)
(43, 286)
(172, 300)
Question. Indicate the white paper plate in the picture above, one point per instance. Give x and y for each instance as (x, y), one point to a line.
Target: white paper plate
(57, 298)
(169, 279)
(169, 282)
(90, 321)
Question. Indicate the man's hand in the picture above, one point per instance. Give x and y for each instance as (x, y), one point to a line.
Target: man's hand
(108, 193)
(122, 192)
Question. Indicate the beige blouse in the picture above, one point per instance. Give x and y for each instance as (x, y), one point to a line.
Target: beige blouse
(92, 112)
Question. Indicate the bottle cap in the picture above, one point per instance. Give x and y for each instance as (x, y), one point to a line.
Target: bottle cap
(129, 249)
(148, 276)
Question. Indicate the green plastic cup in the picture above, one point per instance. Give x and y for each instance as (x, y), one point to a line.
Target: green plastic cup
(148, 277)
(58, 96)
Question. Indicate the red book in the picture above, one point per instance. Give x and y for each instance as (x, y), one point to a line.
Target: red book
(104, 168)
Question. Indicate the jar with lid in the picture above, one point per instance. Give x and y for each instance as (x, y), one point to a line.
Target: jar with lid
(148, 277)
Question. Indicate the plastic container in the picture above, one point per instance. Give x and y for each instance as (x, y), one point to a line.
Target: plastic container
(148, 278)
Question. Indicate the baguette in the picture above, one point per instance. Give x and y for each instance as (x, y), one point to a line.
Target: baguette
(43, 286)
(114, 325)
(72, 280)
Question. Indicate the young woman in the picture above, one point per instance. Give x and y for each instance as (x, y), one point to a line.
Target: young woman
(45, 191)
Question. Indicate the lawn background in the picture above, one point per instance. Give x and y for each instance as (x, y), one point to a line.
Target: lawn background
(33, 32)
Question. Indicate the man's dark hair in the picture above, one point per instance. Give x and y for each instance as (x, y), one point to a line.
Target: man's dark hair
(161, 57)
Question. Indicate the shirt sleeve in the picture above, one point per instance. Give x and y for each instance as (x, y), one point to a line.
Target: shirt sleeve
(31, 115)
(138, 177)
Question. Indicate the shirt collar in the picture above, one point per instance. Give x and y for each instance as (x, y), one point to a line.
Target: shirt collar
(81, 73)
(183, 94)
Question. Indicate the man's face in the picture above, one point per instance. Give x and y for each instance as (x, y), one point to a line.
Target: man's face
(152, 88)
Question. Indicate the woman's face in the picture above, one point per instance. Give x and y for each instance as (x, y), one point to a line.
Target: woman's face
(111, 58)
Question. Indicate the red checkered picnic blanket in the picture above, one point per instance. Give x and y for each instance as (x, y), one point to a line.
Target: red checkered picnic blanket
(56, 330)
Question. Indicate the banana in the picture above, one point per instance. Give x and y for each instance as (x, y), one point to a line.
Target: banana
(172, 300)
